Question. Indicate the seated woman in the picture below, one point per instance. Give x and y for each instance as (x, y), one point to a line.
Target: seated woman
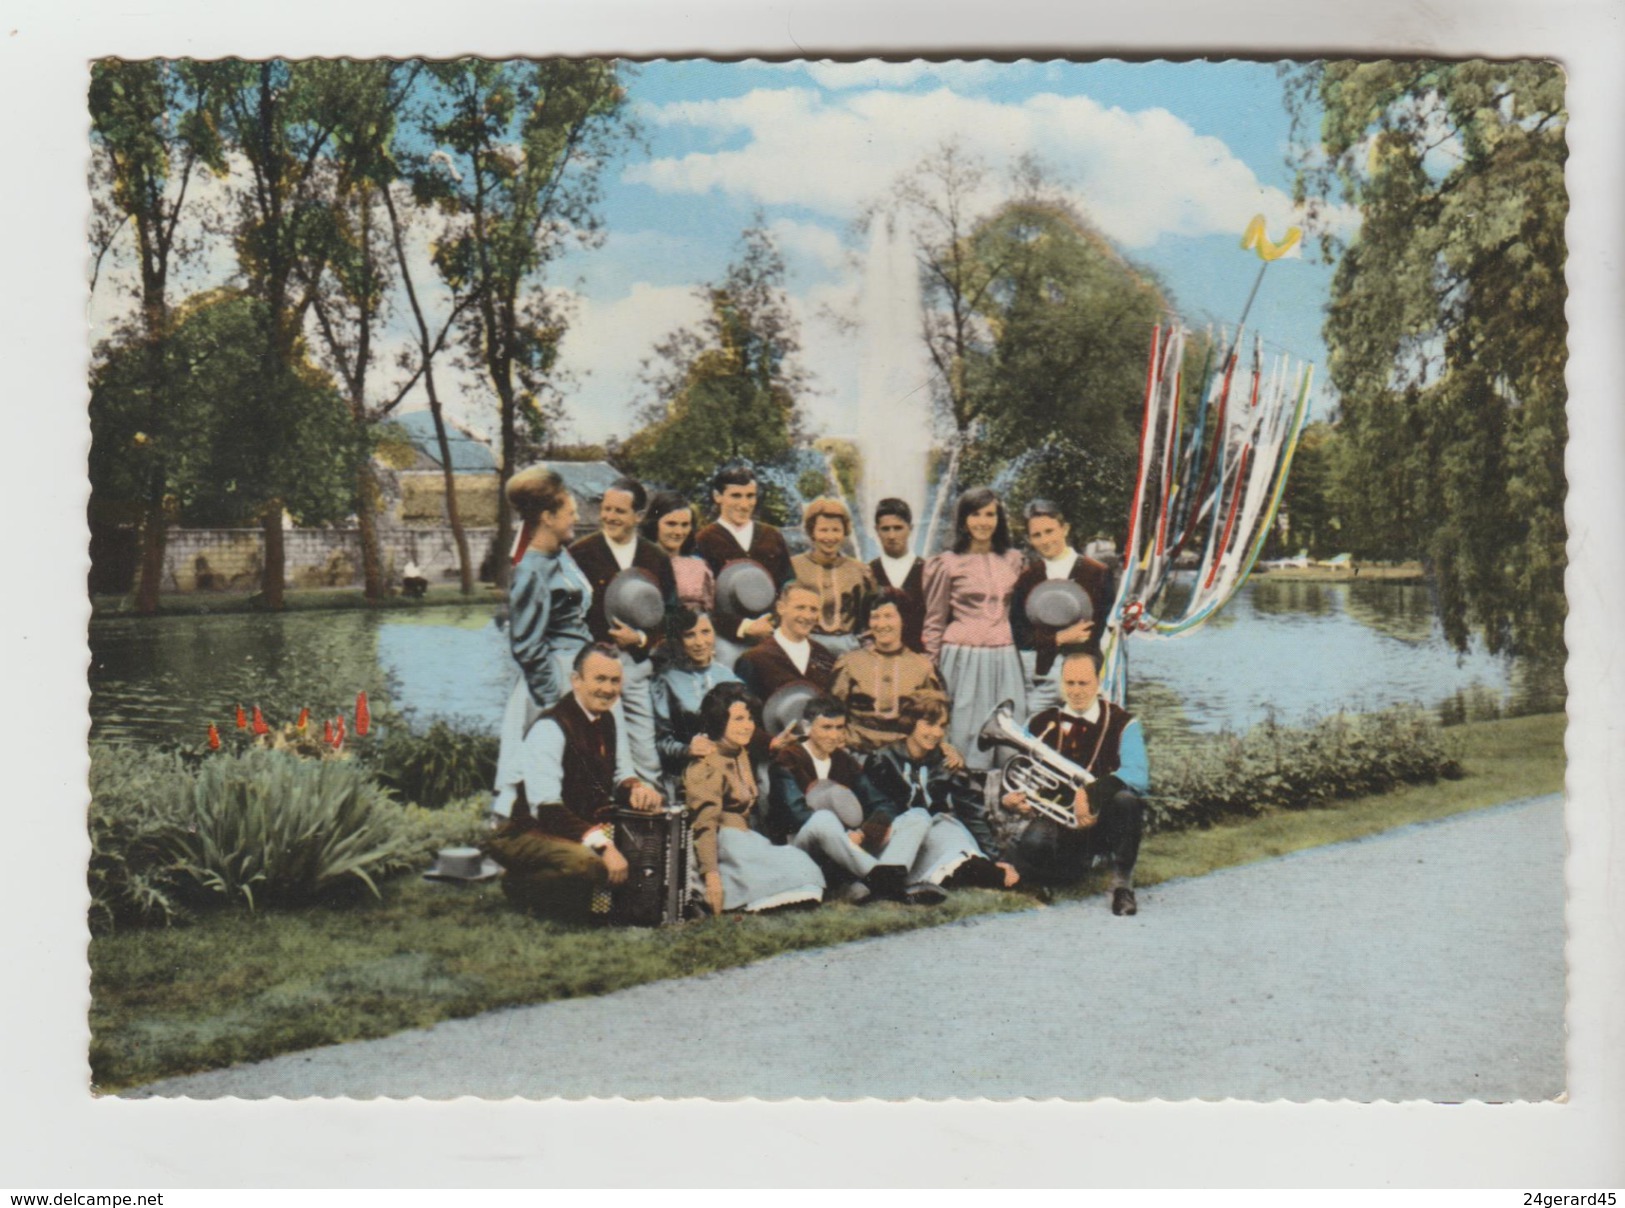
(741, 868)
(691, 672)
(925, 816)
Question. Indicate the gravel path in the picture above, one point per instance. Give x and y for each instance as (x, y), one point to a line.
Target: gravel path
(1424, 963)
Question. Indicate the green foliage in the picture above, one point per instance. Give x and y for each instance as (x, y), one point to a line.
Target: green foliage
(730, 390)
(1280, 767)
(228, 446)
(517, 148)
(440, 765)
(454, 824)
(1446, 326)
(272, 829)
(1038, 328)
(140, 804)
(1307, 507)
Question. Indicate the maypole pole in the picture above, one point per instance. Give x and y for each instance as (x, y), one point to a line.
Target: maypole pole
(1230, 473)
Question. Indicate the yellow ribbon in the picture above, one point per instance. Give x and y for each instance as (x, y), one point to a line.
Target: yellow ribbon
(1267, 248)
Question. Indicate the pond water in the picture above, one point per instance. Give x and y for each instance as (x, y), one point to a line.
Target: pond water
(1292, 648)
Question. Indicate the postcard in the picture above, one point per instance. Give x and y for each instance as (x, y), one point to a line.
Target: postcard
(578, 542)
(938, 616)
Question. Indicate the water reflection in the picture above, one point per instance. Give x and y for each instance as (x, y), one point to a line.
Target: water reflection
(1297, 649)
(167, 678)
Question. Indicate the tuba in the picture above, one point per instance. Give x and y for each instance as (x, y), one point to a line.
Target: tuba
(1047, 778)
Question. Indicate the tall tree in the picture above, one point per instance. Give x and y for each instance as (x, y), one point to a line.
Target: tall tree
(1061, 374)
(351, 304)
(521, 145)
(215, 360)
(281, 118)
(430, 345)
(942, 199)
(728, 389)
(153, 126)
(1446, 327)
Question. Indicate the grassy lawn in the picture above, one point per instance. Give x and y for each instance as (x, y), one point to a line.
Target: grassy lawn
(235, 987)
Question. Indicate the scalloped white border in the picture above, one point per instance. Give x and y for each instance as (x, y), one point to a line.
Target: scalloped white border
(55, 1137)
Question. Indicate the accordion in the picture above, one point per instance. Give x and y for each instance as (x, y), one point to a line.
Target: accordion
(656, 851)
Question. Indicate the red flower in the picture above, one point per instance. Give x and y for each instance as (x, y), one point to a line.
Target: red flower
(259, 722)
(304, 720)
(327, 732)
(363, 716)
(242, 719)
(338, 734)
(214, 738)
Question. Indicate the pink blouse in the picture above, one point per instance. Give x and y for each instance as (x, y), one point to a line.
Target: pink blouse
(696, 588)
(967, 599)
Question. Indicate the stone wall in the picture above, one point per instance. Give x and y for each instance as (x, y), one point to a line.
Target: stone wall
(233, 559)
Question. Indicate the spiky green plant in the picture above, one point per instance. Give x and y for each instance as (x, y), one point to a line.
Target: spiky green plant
(270, 828)
(140, 803)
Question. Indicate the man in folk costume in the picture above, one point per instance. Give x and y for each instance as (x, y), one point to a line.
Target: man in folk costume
(822, 756)
(790, 655)
(899, 567)
(557, 839)
(1050, 536)
(603, 555)
(873, 680)
(845, 585)
(734, 535)
(1106, 740)
(926, 815)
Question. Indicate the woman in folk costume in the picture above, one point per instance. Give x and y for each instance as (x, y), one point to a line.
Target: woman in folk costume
(968, 594)
(548, 599)
(669, 523)
(691, 671)
(740, 868)
(845, 585)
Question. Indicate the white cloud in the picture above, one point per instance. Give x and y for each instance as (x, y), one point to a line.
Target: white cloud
(1138, 176)
(811, 241)
(605, 347)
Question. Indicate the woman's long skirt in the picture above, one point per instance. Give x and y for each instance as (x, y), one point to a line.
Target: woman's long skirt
(517, 719)
(758, 874)
(979, 679)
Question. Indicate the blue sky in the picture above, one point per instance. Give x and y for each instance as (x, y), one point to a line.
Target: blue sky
(1169, 160)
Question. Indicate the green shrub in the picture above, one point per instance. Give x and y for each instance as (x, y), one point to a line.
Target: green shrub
(271, 828)
(456, 824)
(442, 764)
(1283, 767)
(140, 804)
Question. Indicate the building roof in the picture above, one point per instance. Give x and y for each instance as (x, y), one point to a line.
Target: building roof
(469, 454)
(587, 480)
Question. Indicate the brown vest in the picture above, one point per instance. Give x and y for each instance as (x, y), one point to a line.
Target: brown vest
(1080, 740)
(587, 775)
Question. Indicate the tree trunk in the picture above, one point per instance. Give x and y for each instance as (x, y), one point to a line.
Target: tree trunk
(453, 513)
(366, 514)
(154, 536)
(510, 441)
(271, 582)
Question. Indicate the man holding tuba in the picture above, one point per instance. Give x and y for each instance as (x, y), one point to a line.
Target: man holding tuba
(1105, 748)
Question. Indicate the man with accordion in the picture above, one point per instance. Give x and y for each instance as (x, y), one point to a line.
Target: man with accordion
(557, 845)
(1107, 744)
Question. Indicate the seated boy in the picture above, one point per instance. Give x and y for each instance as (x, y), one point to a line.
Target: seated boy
(925, 815)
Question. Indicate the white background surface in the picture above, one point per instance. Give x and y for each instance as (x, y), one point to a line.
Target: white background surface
(53, 1136)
